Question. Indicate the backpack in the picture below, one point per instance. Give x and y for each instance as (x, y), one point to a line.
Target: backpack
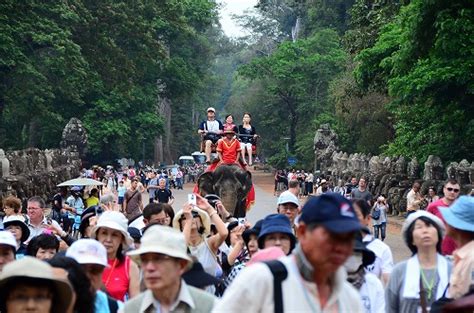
(279, 273)
(375, 214)
(113, 305)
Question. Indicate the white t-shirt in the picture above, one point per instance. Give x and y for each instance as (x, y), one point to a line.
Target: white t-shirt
(372, 294)
(213, 126)
(384, 260)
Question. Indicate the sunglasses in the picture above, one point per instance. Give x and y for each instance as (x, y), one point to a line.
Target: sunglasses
(452, 189)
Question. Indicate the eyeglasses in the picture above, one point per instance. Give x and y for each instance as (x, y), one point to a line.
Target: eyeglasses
(450, 189)
(155, 258)
(31, 208)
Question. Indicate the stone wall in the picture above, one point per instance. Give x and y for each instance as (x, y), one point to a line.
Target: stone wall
(28, 172)
(388, 176)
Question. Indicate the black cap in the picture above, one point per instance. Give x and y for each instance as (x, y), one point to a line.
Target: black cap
(198, 278)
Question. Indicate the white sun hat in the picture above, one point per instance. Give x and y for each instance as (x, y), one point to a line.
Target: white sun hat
(88, 251)
(116, 221)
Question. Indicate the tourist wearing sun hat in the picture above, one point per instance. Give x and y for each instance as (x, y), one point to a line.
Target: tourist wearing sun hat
(459, 218)
(16, 225)
(8, 248)
(288, 205)
(276, 232)
(92, 256)
(121, 278)
(163, 258)
(423, 278)
(29, 278)
(195, 223)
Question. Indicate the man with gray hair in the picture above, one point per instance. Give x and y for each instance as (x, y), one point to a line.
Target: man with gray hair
(38, 223)
(164, 259)
(163, 194)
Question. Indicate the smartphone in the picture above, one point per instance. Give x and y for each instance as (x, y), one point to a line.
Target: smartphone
(192, 199)
(242, 220)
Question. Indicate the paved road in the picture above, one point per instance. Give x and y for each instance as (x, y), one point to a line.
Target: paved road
(265, 204)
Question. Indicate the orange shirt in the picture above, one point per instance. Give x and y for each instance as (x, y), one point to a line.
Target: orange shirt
(229, 149)
(462, 276)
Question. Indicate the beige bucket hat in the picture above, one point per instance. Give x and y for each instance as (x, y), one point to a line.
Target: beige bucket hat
(29, 267)
(163, 240)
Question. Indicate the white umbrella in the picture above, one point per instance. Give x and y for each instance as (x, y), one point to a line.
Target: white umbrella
(81, 182)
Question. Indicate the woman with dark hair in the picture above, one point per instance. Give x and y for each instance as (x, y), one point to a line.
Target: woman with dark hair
(121, 278)
(229, 122)
(247, 137)
(432, 195)
(416, 283)
(43, 247)
(79, 281)
(169, 214)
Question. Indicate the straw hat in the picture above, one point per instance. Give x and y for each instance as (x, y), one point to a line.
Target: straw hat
(205, 219)
(29, 267)
(163, 240)
(116, 221)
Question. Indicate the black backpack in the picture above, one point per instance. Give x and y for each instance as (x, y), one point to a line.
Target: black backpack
(280, 273)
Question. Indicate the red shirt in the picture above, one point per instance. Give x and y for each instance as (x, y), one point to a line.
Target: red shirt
(229, 149)
(448, 245)
(116, 278)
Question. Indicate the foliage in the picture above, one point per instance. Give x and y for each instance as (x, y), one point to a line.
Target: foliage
(426, 59)
(100, 61)
(295, 81)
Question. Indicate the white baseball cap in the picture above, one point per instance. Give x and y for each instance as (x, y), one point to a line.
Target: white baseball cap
(164, 240)
(88, 251)
(6, 238)
(211, 109)
(287, 197)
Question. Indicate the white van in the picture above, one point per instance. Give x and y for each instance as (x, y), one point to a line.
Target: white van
(186, 160)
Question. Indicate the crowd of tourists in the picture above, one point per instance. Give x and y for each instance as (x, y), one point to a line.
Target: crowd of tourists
(323, 256)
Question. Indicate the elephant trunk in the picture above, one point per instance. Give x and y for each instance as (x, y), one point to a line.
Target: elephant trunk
(229, 200)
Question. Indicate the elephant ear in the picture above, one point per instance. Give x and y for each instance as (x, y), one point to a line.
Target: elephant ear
(245, 179)
(206, 183)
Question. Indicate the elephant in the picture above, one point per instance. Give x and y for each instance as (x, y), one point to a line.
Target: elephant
(231, 183)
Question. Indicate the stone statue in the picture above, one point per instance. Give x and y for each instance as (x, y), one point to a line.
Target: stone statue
(4, 164)
(48, 154)
(462, 172)
(401, 166)
(387, 165)
(413, 168)
(433, 168)
(451, 170)
(74, 133)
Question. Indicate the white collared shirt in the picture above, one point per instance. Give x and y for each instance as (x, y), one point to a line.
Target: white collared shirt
(38, 230)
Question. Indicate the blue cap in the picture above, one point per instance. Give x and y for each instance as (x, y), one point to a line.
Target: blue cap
(333, 211)
(276, 223)
(460, 214)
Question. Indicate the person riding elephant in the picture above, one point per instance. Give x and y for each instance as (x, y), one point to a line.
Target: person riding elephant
(232, 184)
(211, 130)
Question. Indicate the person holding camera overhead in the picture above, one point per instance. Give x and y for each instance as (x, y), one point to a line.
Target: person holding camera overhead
(379, 217)
(195, 223)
